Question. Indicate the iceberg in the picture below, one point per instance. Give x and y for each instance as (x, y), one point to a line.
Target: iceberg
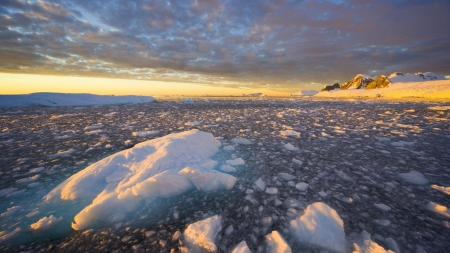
(160, 168)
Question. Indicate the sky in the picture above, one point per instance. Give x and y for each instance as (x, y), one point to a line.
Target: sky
(215, 46)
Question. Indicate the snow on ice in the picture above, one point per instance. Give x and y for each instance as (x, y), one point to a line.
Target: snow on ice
(320, 226)
(162, 167)
(201, 235)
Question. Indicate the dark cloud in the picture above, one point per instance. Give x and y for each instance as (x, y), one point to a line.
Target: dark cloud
(283, 45)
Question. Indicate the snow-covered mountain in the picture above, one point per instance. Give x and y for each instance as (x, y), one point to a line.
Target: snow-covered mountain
(396, 85)
(66, 99)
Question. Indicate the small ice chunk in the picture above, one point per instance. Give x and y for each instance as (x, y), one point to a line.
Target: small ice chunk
(384, 223)
(302, 186)
(439, 209)
(382, 207)
(260, 184)
(7, 191)
(290, 133)
(286, 176)
(10, 235)
(276, 243)
(323, 194)
(36, 170)
(227, 168)
(298, 162)
(267, 221)
(243, 141)
(241, 248)
(228, 148)
(235, 162)
(320, 226)
(290, 147)
(145, 133)
(443, 189)
(46, 223)
(366, 245)
(229, 230)
(272, 190)
(414, 177)
(201, 234)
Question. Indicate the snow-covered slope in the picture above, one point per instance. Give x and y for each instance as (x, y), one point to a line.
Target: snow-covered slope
(66, 99)
(426, 89)
(399, 77)
(305, 93)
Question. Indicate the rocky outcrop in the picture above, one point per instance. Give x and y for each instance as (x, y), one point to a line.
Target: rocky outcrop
(380, 82)
(331, 87)
(360, 81)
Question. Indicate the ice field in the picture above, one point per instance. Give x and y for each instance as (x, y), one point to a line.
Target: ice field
(261, 175)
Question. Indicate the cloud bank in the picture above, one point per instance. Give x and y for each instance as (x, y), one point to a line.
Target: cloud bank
(280, 45)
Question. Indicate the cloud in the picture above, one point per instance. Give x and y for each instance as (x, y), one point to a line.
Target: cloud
(285, 45)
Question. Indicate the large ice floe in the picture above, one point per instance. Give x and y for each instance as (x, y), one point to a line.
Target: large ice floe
(200, 236)
(163, 167)
(320, 226)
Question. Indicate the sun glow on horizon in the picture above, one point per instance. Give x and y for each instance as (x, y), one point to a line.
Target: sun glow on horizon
(30, 83)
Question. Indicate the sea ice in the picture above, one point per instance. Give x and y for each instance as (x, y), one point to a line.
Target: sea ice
(290, 133)
(414, 177)
(162, 167)
(235, 162)
(227, 168)
(443, 189)
(202, 234)
(366, 245)
(286, 176)
(243, 141)
(46, 223)
(302, 186)
(145, 133)
(260, 184)
(382, 207)
(271, 190)
(228, 148)
(241, 248)
(290, 147)
(276, 243)
(320, 226)
(439, 209)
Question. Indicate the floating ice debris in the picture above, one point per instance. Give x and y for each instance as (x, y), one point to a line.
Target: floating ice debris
(36, 170)
(414, 177)
(286, 176)
(302, 186)
(62, 153)
(193, 123)
(145, 133)
(243, 141)
(382, 207)
(260, 184)
(271, 190)
(290, 133)
(228, 148)
(89, 128)
(290, 147)
(46, 223)
(366, 245)
(439, 209)
(276, 243)
(241, 248)
(201, 235)
(443, 189)
(439, 108)
(235, 162)
(10, 235)
(227, 168)
(320, 226)
(162, 167)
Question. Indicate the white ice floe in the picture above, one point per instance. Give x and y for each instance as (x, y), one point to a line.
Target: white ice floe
(302, 186)
(200, 236)
(8, 236)
(290, 133)
(193, 123)
(443, 189)
(414, 177)
(440, 108)
(365, 245)
(382, 207)
(228, 148)
(276, 243)
(290, 147)
(286, 176)
(439, 209)
(145, 133)
(227, 168)
(241, 248)
(243, 141)
(235, 162)
(46, 223)
(162, 167)
(93, 127)
(260, 184)
(271, 190)
(320, 226)
(36, 170)
(64, 99)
